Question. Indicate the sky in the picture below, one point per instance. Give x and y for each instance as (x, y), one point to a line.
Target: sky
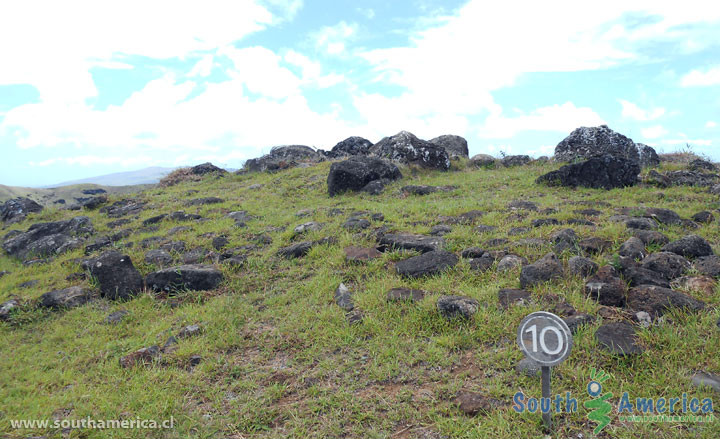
(94, 87)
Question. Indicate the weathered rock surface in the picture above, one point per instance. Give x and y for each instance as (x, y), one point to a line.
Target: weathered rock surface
(356, 173)
(66, 298)
(49, 239)
(283, 157)
(669, 265)
(606, 172)
(351, 146)
(116, 274)
(343, 297)
(185, 277)
(17, 209)
(141, 357)
(588, 142)
(618, 338)
(582, 266)
(690, 246)
(457, 306)
(454, 146)
(405, 148)
(406, 241)
(509, 296)
(606, 287)
(472, 403)
(361, 254)
(426, 264)
(545, 269)
(656, 300)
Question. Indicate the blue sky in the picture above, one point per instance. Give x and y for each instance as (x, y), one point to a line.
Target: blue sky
(93, 87)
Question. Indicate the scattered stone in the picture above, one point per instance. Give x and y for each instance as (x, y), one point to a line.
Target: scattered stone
(154, 219)
(708, 265)
(648, 156)
(405, 148)
(343, 298)
(508, 297)
(576, 321)
(17, 209)
(116, 274)
(669, 265)
(405, 241)
(482, 263)
(141, 357)
(204, 201)
(236, 260)
(522, 205)
(702, 379)
(173, 246)
(702, 165)
(351, 146)
(703, 217)
(515, 160)
(606, 172)
(356, 173)
(190, 277)
(581, 266)
(356, 223)
(361, 254)
(7, 307)
(594, 245)
(92, 202)
(472, 252)
(496, 242)
(650, 237)
(703, 284)
(160, 258)
(426, 190)
(405, 294)
(123, 208)
(457, 306)
(565, 239)
(454, 146)
(528, 367)
(66, 298)
(472, 403)
(545, 222)
(580, 222)
(426, 264)
(656, 300)
(690, 246)
(219, 242)
(606, 287)
(641, 276)
(464, 218)
(296, 250)
(116, 317)
(511, 262)
(207, 168)
(189, 331)
(482, 161)
(283, 157)
(440, 230)
(633, 248)
(518, 231)
(482, 228)
(545, 269)
(618, 338)
(48, 239)
(99, 243)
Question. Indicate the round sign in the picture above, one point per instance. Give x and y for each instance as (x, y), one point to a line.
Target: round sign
(545, 338)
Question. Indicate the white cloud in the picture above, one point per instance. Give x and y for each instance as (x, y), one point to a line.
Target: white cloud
(710, 124)
(312, 70)
(653, 132)
(699, 78)
(332, 39)
(203, 68)
(368, 13)
(632, 111)
(700, 142)
(560, 118)
(55, 43)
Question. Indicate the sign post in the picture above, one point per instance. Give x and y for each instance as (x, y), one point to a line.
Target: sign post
(546, 339)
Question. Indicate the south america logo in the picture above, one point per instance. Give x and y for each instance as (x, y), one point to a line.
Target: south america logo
(599, 405)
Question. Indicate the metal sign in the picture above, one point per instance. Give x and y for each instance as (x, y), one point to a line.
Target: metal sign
(546, 339)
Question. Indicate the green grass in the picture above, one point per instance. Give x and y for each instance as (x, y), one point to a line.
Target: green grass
(280, 359)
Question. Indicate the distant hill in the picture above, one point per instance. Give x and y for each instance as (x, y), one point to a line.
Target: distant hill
(63, 195)
(150, 175)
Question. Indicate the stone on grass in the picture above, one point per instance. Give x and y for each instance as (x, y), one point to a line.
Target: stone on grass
(343, 298)
(705, 379)
(618, 338)
(141, 357)
(406, 241)
(189, 331)
(116, 317)
(405, 294)
(185, 277)
(576, 321)
(656, 300)
(703, 284)
(426, 264)
(708, 265)
(690, 246)
(472, 403)
(669, 265)
(543, 270)
(509, 296)
(633, 248)
(582, 266)
(457, 306)
(158, 257)
(528, 367)
(606, 287)
(66, 298)
(361, 254)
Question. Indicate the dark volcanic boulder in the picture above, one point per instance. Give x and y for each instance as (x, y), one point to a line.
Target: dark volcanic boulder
(690, 246)
(457, 306)
(406, 241)
(587, 142)
(656, 300)
(351, 146)
(116, 274)
(455, 146)
(515, 160)
(190, 277)
(669, 265)
(544, 269)
(426, 264)
(606, 287)
(283, 157)
(606, 172)
(47, 239)
(123, 208)
(356, 173)
(648, 156)
(67, 298)
(618, 338)
(207, 168)
(404, 147)
(16, 210)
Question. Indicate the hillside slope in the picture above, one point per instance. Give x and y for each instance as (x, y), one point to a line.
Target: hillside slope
(276, 356)
(64, 194)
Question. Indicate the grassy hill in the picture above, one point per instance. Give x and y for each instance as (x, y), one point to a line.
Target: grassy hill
(52, 196)
(281, 359)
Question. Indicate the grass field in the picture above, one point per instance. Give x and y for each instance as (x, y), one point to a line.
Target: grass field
(279, 358)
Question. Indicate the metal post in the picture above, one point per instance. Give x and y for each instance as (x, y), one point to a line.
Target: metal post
(545, 370)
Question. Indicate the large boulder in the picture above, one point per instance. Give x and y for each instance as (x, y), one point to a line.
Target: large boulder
(543, 270)
(587, 142)
(426, 264)
(283, 157)
(605, 172)
(116, 274)
(455, 146)
(48, 239)
(185, 277)
(207, 168)
(657, 300)
(351, 146)
(16, 210)
(648, 156)
(690, 246)
(356, 173)
(405, 148)
(66, 298)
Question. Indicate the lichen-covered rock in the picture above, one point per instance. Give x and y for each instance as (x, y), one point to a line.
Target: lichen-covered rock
(587, 142)
(356, 173)
(455, 146)
(605, 172)
(404, 147)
